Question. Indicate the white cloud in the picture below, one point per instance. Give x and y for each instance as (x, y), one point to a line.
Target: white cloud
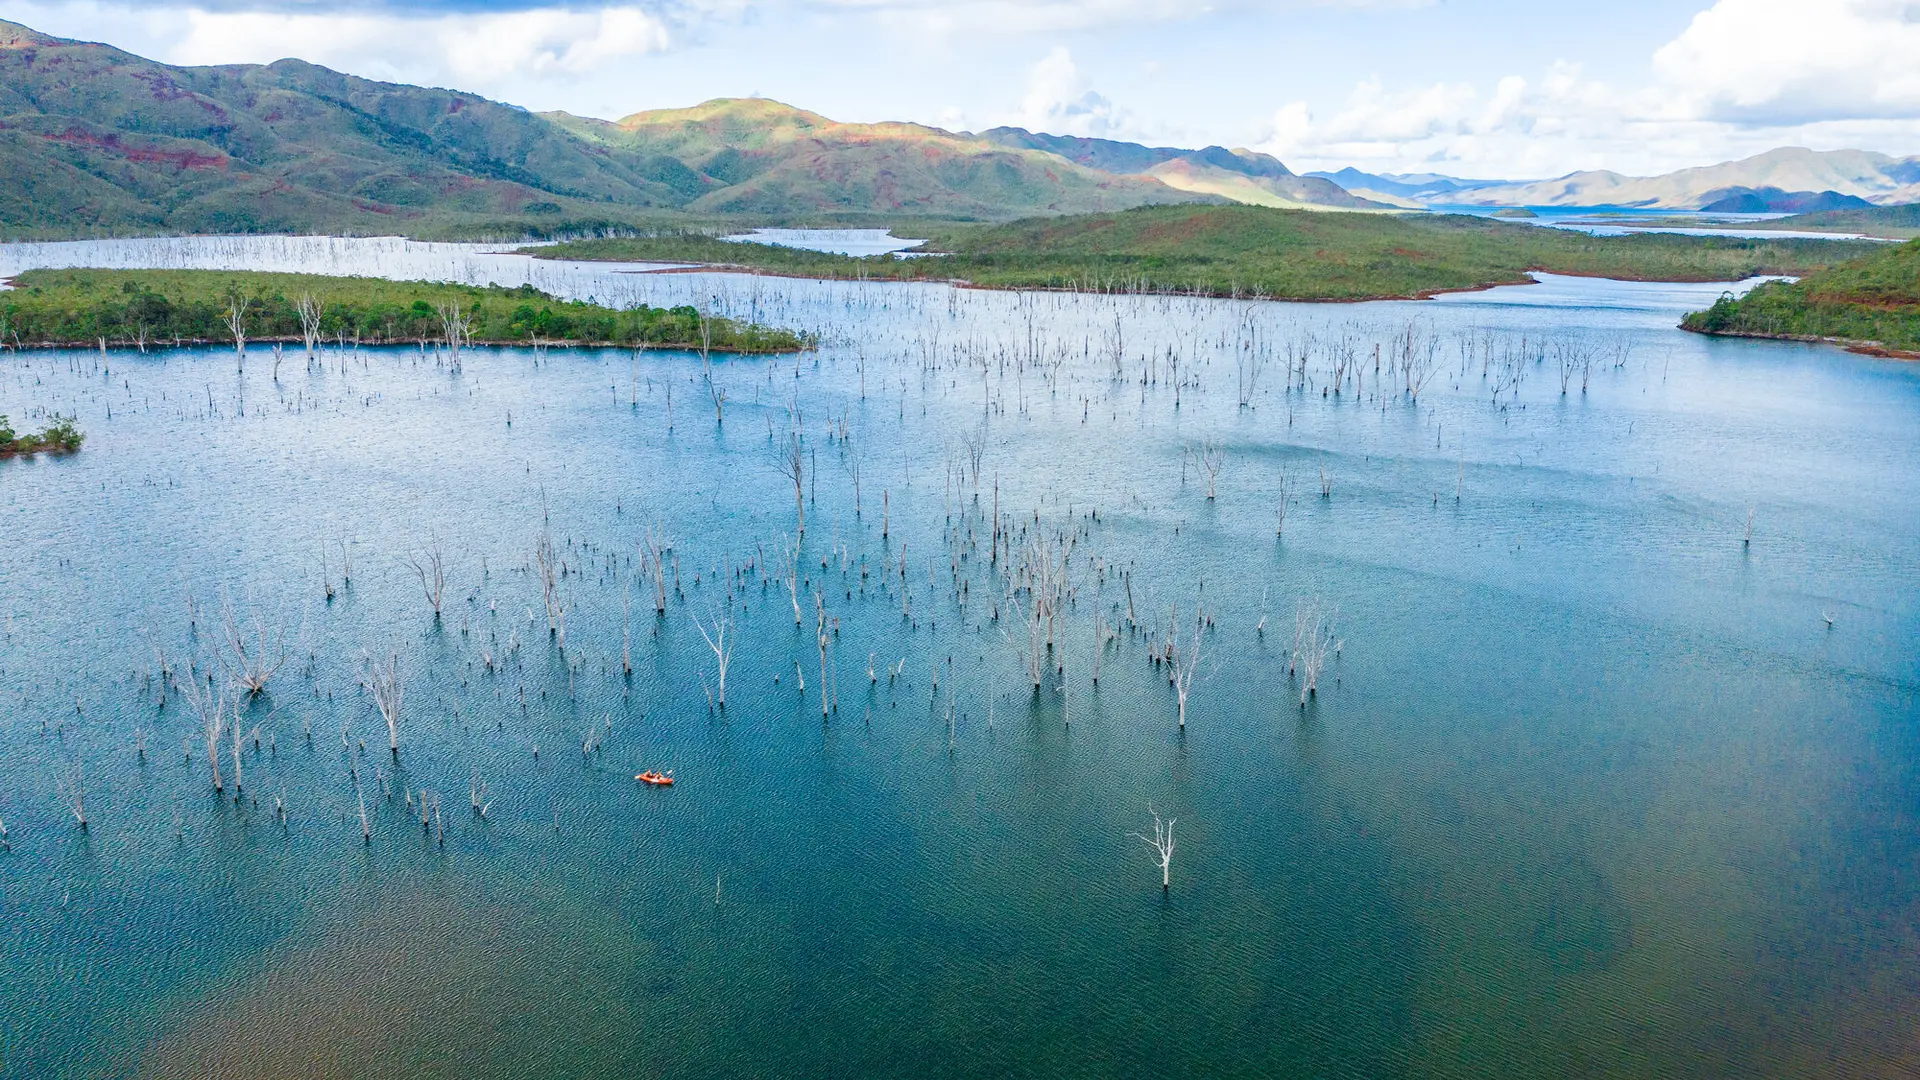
(1059, 102)
(487, 52)
(1797, 61)
(1520, 126)
(470, 49)
(999, 18)
(1745, 76)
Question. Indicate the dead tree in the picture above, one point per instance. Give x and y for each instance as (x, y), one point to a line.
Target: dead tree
(791, 554)
(1313, 640)
(722, 648)
(791, 459)
(654, 547)
(1184, 667)
(480, 794)
(1211, 458)
(826, 642)
(1162, 844)
(1037, 591)
(208, 700)
(383, 682)
(626, 624)
(1418, 359)
(430, 567)
(253, 662)
(309, 323)
(718, 395)
(238, 740)
(456, 327)
(547, 561)
(237, 306)
(72, 782)
(1247, 360)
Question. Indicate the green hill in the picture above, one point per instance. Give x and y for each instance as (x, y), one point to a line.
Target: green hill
(765, 158)
(1243, 176)
(96, 141)
(93, 139)
(1871, 303)
(1893, 222)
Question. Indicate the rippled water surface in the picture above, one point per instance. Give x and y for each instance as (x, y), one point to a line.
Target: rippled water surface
(1593, 785)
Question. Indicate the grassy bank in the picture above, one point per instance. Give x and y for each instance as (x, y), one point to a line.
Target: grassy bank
(1247, 250)
(1872, 304)
(158, 307)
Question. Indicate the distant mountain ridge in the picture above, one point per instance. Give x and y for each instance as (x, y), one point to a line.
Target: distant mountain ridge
(1793, 171)
(1244, 176)
(1785, 180)
(1772, 200)
(1421, 187)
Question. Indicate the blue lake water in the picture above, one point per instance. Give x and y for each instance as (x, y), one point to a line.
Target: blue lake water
(1592, 785)
(1624, 221)
(837, 241)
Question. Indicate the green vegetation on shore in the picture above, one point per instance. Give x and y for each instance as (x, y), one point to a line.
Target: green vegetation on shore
(60, 437)
(1892, 222)
(151, 307)
(1249, 250)
(1871, 303)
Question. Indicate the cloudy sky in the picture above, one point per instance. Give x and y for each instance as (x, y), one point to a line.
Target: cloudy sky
(1466, 87)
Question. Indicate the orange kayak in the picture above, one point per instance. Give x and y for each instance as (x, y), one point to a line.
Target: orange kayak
(658, 779)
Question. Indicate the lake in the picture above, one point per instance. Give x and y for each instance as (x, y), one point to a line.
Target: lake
(1611, 767)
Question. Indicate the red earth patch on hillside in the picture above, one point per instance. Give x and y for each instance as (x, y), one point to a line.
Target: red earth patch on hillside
(146, 155)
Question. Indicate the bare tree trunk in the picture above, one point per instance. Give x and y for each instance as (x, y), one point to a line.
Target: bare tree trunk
(384, 683)
(722, 648)
(237, 324)
(430, 567)
(1162, 844)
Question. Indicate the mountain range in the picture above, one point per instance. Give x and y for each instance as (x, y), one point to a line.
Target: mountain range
(1788, 180)
(1243, 176)
(94, 140)
(1404, 189)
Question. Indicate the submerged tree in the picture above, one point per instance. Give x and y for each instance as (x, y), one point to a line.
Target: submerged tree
(258, 651)
(1184, 667)
(1313, 640)
(791, 459)
(1162, 844)
(383, 682)
(718, 395)
(210, 706)
(722, 648)
(309, 311)
(73, 789)
(430, 567)
(236, 314)
(547, 560)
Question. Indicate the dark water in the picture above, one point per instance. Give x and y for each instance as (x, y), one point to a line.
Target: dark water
(1592, 787)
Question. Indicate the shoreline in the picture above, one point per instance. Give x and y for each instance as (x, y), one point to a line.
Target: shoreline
(1214, 294)
(505, 343)
(966, 283)
(1852, 345)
